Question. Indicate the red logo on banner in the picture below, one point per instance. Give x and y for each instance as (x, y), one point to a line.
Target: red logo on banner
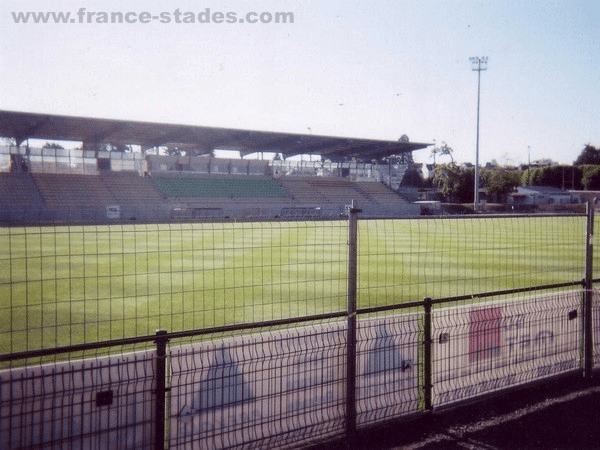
(485, 334)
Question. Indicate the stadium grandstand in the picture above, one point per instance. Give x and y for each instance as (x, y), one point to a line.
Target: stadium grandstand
(125, 170)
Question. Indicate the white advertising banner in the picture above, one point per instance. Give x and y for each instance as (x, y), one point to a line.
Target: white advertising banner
(278, 389)
(388, 374)
(99, 403)
(485, 347)
(267, 390)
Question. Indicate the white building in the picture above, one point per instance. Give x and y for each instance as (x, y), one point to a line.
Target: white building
(543, 195)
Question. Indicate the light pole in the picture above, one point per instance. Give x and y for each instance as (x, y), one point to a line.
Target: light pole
(478, 64)
(528, 165)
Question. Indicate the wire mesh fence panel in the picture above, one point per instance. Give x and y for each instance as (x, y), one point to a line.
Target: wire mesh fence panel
(253, 272)
(79, 284)
(484, 347)
(97, 403)
(596, 326)
(596, 255)
(408, 260)
(388, 367)
(274, 389)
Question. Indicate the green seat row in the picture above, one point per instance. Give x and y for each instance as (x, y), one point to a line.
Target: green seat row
(219, 188)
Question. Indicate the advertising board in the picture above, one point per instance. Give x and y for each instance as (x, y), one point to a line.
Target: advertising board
(267, 389)
(96, 403)
(388, 372)
(281, 388)
(485, 347)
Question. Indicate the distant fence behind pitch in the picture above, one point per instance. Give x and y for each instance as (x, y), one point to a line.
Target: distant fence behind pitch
(262, 349)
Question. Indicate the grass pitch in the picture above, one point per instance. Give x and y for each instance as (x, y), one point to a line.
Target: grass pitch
(62, 285)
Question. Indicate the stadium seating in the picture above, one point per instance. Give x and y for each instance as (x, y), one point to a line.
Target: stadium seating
(131, 188)
(374, 198)
(178, 188)
(318, 190)
(225, 187)
(380, 193)
(72, 191)
(68, 190)
(18, 190)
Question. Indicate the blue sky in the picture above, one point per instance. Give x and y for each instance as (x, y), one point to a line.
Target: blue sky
(345, 68)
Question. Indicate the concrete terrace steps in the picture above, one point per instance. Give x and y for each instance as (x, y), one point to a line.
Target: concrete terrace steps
(131, 188)
(18, 190)
(95, 191)
(380, 193)
(340, 192)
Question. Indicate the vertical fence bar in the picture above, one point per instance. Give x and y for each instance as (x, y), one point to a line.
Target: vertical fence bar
(427, 342)
(588, 341)
(351, 339)
(161, 375)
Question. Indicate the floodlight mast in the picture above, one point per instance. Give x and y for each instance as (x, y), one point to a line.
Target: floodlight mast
(478, 65)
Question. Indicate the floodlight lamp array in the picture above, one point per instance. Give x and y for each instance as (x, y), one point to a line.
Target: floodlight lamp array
(479, 63)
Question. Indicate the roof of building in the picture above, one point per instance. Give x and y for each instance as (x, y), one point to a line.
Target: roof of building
(23, 125)
(547, 190)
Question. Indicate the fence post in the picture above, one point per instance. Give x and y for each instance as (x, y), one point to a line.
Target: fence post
(161, 388)
(351, 338)
(427, 342)
(588, 341)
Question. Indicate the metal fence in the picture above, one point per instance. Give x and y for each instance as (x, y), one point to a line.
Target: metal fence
(281, 334)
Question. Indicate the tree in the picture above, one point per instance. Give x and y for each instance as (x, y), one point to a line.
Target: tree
(402, 158)
(501, 182)
(442, 150)
(445, 149)
(174, 151)
(434, 152)
(591, 177)
(407, 158)
(413, 177)
(559, 176)
(121, 148)
(455, 182)
(589, 155)
(53, 145)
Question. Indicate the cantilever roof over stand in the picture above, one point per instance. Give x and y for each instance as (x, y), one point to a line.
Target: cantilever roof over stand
(22, 126)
